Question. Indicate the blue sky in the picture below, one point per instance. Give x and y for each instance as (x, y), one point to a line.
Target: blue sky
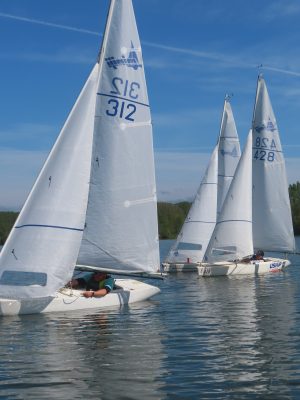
(194, 53)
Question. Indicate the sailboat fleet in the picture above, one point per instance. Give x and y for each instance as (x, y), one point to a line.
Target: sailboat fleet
(253, 212)
(190, 247)
(94, 207)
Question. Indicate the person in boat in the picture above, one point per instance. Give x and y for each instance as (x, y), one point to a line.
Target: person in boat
(97, 285)
(259, 255)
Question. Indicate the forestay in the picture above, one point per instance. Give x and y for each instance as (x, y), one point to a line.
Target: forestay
(199, 224)
(121, 222)
(272, 221)
(229, 153)
(232, 236)
(54, 214)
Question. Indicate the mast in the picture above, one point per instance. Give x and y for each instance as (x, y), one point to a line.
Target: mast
(105, 35)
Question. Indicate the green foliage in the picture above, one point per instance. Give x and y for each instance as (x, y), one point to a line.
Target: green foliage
(7, 219)
(294, 191)
(170, 218)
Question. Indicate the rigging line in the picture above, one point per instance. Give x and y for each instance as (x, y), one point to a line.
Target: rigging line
(104, 251)
(48, 226)
(138, 274)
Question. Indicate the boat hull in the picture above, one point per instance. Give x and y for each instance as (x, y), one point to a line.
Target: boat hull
(129, 291)
(269, 265)
(180, 267)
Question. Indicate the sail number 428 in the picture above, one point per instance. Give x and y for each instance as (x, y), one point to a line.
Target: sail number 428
(265, 149)
(119, 107)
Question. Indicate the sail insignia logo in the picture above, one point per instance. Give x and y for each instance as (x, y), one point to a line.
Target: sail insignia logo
(268, 127)
(232, 153)
(131, 61)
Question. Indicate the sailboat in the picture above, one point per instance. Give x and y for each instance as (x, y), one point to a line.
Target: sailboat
(94, 202)
(256, 213)
(190, 246)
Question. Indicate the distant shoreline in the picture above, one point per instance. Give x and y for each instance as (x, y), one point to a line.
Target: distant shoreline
(171, 216)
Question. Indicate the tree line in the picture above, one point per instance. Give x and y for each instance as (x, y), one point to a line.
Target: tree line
(170, 216)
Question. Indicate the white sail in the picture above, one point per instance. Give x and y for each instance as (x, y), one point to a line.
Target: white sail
(272, 221)
(232, 236)
(229, 153)
(40, 254)
(121, 222)
(199, 224)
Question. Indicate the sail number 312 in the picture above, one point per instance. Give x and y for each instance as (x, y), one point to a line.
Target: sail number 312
(119, 107)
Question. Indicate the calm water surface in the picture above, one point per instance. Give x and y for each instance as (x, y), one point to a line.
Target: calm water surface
(200, 338)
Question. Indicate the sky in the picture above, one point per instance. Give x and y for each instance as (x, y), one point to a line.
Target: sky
(194, 52)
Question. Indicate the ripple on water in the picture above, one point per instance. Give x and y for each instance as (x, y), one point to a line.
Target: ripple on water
(215, 338)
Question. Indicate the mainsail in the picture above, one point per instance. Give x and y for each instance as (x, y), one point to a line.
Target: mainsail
(272, 220)
(229, 153)
(232, 236)
(121, 223)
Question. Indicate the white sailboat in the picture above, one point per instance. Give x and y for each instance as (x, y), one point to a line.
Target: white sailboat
(193, 238)
(272, 217)
(96, 193)
(256, 213)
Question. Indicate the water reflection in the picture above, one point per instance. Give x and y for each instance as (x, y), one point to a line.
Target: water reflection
(110, 355)
(231, 337)
(215, 338)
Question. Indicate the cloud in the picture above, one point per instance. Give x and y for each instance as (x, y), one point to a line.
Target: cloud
(18, 170)
(280, 70)
(226, 60)
(66, 56)
(178, 174)
(20, 135)
(50, 24)
(292, 169)
(185, 118)
(279, 9)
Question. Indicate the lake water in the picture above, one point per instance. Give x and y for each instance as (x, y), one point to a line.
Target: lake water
(200, 338)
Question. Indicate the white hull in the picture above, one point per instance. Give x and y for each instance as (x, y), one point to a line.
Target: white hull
(129, 291)
(269, 265)
(180, 267)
